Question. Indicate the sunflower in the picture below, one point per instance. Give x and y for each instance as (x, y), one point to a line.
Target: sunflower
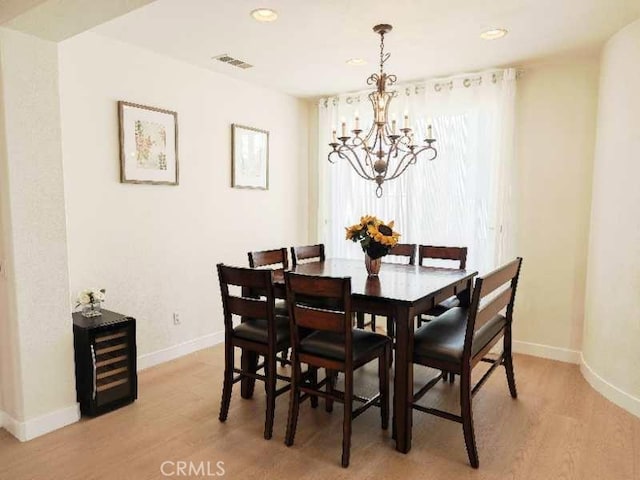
(369, 220)
(354, 231)
(383, 234)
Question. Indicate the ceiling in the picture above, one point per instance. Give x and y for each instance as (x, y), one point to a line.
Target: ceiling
(303, 53)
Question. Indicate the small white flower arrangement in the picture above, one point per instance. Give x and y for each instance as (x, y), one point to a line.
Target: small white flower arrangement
(90, 300)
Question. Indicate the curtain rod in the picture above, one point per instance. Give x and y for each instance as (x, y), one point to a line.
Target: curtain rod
(438, 84)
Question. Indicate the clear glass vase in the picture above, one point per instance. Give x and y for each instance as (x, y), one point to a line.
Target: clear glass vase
(373, 265)
(92, 309)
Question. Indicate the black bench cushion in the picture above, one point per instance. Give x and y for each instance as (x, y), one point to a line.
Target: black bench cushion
(331, 345)
(443, 337)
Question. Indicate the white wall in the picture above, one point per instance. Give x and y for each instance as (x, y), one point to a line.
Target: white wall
(612, 324)
(555, 130)
(154, 248)
(6, 372)
(37, 353)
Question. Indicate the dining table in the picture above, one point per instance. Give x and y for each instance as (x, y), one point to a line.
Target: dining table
(401, 292)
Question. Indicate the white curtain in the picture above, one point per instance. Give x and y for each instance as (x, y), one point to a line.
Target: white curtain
(464, 197)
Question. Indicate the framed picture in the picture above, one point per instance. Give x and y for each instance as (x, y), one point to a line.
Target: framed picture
(148, 144)
(250, 157)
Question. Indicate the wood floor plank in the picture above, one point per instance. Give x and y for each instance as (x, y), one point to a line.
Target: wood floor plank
(558, 428)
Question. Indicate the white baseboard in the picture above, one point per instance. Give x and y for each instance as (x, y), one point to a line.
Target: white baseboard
(38, 426)
(612, 393)
(14, 427)
(155, 358)
(546, 351)
(35, 427)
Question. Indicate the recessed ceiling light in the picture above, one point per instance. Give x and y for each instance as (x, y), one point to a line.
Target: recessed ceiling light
(264, 14)
(493, 33)
(356, 61)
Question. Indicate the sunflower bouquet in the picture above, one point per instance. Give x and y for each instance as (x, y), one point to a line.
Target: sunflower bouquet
(376, 238)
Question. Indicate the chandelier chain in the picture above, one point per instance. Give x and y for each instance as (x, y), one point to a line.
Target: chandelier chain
(381, 53)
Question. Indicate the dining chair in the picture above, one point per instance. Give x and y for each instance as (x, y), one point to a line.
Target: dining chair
(308, 253)
(276, 258)
(456, 254)
(332, 343)
(461, 337)
(408, 252)
(260, 333)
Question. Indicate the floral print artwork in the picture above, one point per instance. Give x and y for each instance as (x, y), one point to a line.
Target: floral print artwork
(151, 145)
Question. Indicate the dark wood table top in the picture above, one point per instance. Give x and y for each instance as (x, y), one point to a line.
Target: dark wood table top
(398, 283)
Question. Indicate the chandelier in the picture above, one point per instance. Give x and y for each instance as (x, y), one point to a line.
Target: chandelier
(385, 151)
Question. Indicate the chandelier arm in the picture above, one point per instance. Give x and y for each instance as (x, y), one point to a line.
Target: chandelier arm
(398, 149)
(362, 172)
(426, 149)
(369, 134)
(387, 141)
(413, 159)
(403, 165)
(358, 142)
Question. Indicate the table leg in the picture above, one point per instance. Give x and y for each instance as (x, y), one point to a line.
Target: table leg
(403, 379)
(465, 295)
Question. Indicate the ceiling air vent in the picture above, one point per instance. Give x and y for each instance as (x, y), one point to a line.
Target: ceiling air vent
(225, 58)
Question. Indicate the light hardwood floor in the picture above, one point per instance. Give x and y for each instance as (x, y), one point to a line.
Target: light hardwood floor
(559, 428)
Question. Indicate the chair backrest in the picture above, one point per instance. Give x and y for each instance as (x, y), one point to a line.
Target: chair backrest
(277, 257)
(309, 252)
(404, 250)
(501, 286)
(334, 294)
(443, 253)
(245, 305)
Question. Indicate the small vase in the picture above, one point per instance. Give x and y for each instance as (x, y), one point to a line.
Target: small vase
(372, 264)
(92, 310)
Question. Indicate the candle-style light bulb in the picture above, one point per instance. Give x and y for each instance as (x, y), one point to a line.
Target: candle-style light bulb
(429, 132)
(406, 119)
(344, 128)
(333, 132)
(393, 124)
(357, 121)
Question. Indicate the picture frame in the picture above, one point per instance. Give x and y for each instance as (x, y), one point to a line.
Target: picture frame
(249, 157)
(148, 144)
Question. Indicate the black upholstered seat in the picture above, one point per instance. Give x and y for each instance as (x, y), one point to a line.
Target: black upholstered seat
(443, 338)
(282, 308)
(256, 331)
(332, 345)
